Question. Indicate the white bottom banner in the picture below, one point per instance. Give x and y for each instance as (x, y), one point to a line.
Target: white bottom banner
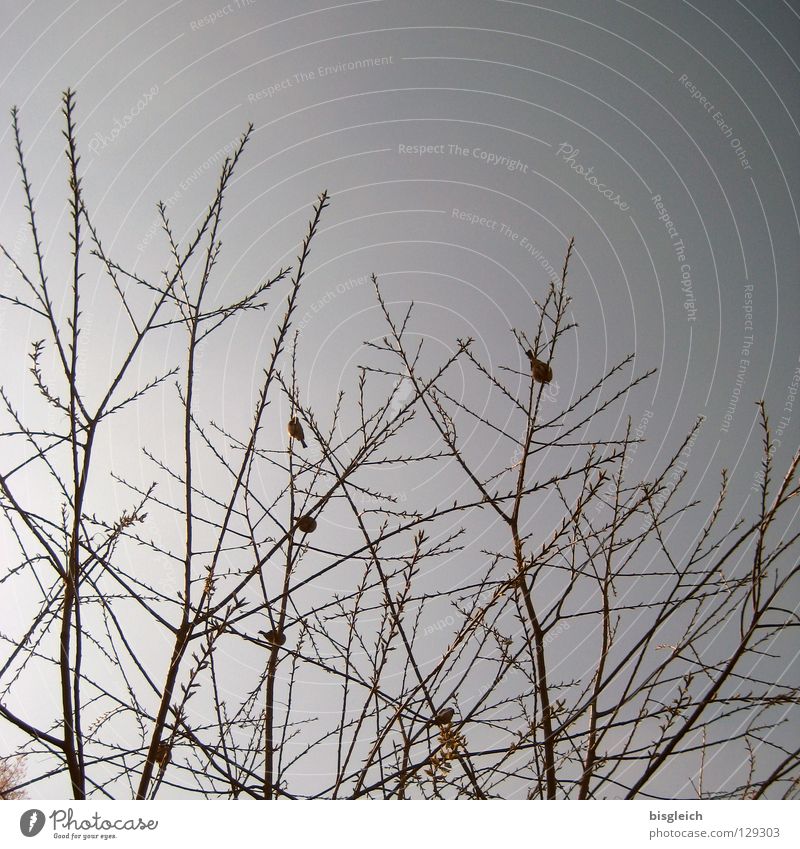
(354, 824)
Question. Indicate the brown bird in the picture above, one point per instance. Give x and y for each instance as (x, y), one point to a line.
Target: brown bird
(163, 753)
(307, 524)
(276, 638)
(541, 371)
(295, 430)
(445, 716)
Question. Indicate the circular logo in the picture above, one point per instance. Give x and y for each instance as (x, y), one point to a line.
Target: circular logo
(31, 822)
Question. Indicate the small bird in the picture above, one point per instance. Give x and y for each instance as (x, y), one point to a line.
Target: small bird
(275, 638)
(295, 430)
(541, 371)
(307, 524)
(163, 754)
(445, 716)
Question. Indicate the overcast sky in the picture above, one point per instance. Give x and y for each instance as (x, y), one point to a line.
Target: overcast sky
(695, 103)
(463, 142)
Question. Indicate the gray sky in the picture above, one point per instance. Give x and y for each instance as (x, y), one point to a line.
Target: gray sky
(496, 79)
(463, 142)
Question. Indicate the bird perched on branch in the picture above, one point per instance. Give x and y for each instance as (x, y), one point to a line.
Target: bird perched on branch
(295, 430)
(445, 716)
(307, 524)
(541, 371)
(163, 753)
(275, 638)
